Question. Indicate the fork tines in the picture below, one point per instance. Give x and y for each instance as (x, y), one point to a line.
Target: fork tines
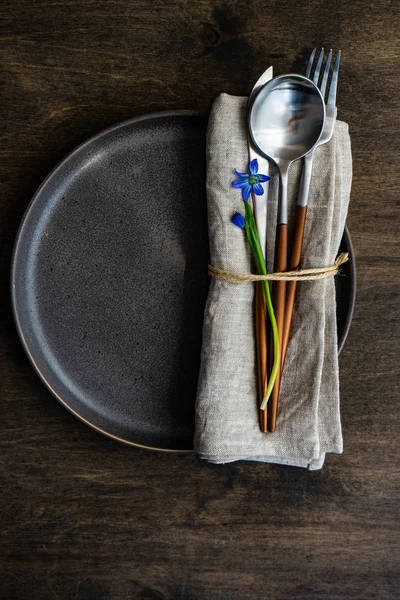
(314, 71)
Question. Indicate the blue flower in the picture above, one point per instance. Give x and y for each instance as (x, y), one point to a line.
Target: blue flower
(250, 181)
(239, 220)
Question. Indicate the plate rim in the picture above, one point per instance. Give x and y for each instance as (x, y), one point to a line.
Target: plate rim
(353, 288)
(96, 137)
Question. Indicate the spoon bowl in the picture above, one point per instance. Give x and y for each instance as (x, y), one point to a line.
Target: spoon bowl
(286, 118)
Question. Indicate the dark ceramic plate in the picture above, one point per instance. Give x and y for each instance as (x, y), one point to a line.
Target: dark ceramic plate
(109, 279)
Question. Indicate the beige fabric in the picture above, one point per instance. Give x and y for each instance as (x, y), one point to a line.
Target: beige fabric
(226, 410)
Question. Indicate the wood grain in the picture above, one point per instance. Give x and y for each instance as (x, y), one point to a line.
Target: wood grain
(294, 263)
(260, 309)
(279, 301)
(82, 517)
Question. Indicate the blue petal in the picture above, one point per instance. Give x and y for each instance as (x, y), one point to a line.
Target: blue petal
(241, 182)
(239, 220)
(253, 167)
(239, 174)
(263, 178)
(258, 189)
(246, 192)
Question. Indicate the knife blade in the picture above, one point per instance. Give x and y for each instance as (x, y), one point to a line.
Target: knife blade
(260, 202)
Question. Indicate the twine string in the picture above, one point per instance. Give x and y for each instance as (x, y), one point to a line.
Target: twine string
(299, 275)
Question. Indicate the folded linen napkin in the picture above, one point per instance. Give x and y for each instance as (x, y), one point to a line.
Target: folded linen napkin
(227, 425)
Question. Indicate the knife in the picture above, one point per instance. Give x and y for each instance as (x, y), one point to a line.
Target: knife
(260, 214)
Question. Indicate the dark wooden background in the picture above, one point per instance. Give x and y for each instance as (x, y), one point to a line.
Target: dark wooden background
(85, 518)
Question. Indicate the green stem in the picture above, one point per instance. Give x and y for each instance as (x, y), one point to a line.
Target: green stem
(258, 256)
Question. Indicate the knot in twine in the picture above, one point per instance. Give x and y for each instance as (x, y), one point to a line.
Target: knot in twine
(300, 275)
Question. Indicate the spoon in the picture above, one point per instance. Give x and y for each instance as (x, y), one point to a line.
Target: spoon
(286, 120)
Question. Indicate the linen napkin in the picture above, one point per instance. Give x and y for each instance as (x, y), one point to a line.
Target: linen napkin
(308, 426)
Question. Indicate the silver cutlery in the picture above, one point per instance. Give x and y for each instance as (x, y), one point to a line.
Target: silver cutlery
(286, 120)
(260, 202)
(260, 214)
(301, 208)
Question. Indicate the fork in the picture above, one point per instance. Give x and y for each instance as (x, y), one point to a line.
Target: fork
(301, 208)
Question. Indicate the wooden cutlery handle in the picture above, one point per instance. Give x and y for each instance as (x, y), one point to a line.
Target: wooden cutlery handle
(261, 338)
(294, 263)
(279, 295)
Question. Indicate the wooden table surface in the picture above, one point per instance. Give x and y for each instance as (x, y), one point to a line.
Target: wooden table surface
(83, 517)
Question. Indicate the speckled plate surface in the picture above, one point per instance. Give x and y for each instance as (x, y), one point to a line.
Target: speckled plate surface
(109, 279)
